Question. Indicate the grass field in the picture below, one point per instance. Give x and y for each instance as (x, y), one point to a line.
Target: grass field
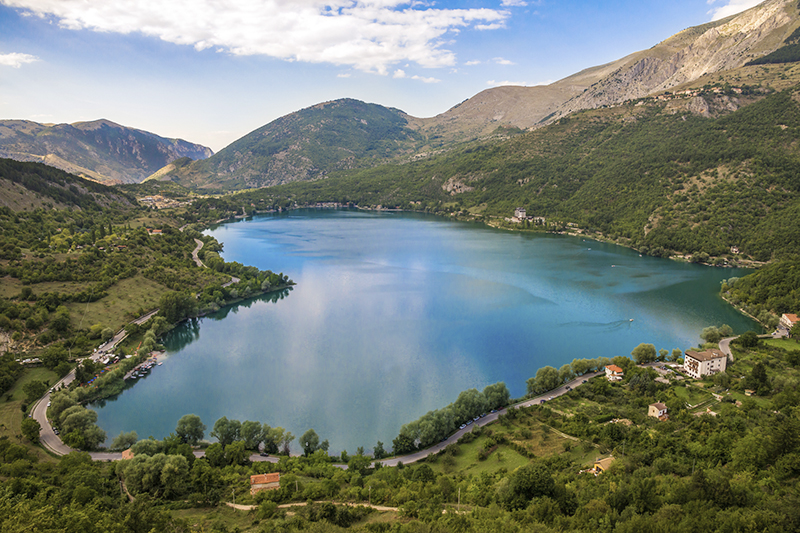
(692, 395)
(786, 344)
(11, 414)
(120, 306)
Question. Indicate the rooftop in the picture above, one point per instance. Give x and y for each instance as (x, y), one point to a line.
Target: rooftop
(707, 355)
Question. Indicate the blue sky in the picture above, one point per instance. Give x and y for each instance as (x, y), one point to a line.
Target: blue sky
(210, 71)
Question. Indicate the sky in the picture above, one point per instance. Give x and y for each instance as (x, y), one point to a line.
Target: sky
(211, 71)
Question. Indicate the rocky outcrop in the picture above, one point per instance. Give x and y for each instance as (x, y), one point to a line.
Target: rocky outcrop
(691, 54)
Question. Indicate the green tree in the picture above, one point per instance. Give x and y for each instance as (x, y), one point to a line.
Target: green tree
(644, 353)
(527, 482)
(123, 441)
(748, 339)
(547, 378)
(190, 429)
(711, 334)
(310, 442)
(31, 429)
(226, 431)
(497, 395)
(378, 452)
(252, 433)
(34, 390)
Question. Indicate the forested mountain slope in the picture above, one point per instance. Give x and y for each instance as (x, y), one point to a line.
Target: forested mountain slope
(28, 186)
(99, 150)
(652, 174)
(305, 145)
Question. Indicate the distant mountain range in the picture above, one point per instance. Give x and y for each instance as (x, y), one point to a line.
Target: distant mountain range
(344, 135)
(100, 150)
(347, 134)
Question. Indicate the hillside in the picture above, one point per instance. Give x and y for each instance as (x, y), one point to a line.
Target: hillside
(322, 140)
(100, 150)
(306, 145)
(29, 186)
(662, 175)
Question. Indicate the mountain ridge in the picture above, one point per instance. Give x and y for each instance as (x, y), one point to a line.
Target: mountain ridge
(100, 150)
(293, 147)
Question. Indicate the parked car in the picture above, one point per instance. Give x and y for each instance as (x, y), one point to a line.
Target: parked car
(264, 454)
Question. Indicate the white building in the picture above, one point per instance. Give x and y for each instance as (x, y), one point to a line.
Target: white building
(520, 213)
(788, 320)
(708, 363)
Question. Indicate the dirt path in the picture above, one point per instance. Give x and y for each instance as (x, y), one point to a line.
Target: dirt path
(300, 504)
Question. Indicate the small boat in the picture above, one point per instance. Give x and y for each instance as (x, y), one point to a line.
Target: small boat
(159, 364)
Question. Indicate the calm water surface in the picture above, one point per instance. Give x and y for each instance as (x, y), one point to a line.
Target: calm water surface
(395, 313)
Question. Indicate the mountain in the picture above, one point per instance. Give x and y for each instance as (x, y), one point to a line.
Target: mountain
(347, 134)
(99, 150)
(26, 186)
(695, 173)
(691, 54)
(306, 145)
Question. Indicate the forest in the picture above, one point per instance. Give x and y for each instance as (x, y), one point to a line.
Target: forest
(723, 461)
(642, 174)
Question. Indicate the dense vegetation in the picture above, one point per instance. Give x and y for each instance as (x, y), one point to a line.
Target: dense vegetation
(342, 134)
(659, 181)
(722, 462)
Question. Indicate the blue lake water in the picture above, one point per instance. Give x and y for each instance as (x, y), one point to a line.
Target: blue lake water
(395, 313)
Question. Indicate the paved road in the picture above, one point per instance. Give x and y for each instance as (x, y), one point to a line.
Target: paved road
(491, 417)
(47, 436)
(194, 253)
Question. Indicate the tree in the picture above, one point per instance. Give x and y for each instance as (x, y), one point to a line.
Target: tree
(106, 334)
(547, 378)
(644, 353)
(496, 395)
(252, 433)
(378, 452)
(310, 442)
(469, 404)
(226, 431)
(215, 455)
(34, 390)
(236, 453)
(123, 441)
(748, 339)
(711, 335)
(527, 482)
(565, 373)
(31, 429)
(175, 306)
(190, 429)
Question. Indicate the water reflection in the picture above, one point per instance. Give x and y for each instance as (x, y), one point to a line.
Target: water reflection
(395, 314)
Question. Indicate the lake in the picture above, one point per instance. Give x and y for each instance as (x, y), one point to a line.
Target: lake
(394, 314)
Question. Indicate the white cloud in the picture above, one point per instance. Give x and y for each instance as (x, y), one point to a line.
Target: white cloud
(16, 60)
(514, 3)
(731, 7)
(400, 73)
(501, 61)
(471, 63)
(369, 35)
